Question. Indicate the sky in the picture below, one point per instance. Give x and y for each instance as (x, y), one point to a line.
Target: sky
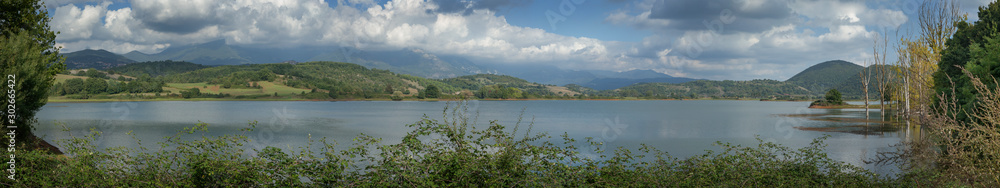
(704, 39)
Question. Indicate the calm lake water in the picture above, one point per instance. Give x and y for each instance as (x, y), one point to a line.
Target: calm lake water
(682, 128)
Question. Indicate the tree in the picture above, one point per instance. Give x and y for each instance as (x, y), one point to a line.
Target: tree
(192, 93)
(28, 53)
(95, 85)
(833, 97)
(29, 17)
(949, 80)
(919, 58)
(432, 91)
(73, 86)
(881, 72)
(29, 72)
(865, 75)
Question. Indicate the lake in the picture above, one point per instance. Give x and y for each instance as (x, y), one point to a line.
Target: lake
(682, 128)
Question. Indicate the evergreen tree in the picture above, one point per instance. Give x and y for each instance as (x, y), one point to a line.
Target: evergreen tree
(30, 58)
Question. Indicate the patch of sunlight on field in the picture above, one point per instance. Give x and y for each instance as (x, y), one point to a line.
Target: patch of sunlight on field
(61, 78)
(270, 88)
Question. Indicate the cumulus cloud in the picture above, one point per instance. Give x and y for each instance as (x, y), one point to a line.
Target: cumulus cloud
(77, 23)
(151, 25)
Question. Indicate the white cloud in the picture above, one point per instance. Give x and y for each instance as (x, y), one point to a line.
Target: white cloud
(75, 23)
(150, 25)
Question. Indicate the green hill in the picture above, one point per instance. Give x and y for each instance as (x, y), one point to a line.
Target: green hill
(98, 59)
(852, 87)
(343, 79)
(157, 68)
(760, 88)
(499, 86)
(825, 76)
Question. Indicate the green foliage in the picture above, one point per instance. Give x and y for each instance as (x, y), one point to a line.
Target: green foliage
(196, 93)
(30, 18)
(492, 83)
(191, 93)
(157, 68)
(833, 96)
(949, 81)
(499, 92)
(31, 69)
(73, 86)
(825, 76)
(432, 91)
(709, 88)
(95, 85)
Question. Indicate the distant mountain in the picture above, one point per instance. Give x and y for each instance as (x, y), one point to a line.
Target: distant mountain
(827, 75)
(596, 79)
(615, 80)
(211, 53)
(416, 62)
(407, 61)
(546, 74)
(98, 59)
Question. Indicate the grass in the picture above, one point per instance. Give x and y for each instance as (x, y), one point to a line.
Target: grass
(61, 78)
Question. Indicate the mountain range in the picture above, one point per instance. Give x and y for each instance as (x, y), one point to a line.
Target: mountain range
(415, 62)
(816, 80)
(98, 59)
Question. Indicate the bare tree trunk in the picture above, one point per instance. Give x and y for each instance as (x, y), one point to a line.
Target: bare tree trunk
(865, 75)
(881, 72)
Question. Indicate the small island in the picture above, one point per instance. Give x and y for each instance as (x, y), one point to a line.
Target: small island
(831, 100)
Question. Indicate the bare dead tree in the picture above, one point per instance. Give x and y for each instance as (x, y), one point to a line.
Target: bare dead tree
(879, 46)
(865, 75)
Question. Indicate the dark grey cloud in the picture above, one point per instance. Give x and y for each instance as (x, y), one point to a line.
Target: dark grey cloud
(182, 25)
(163, 16)
(692, 15)
(467, 6)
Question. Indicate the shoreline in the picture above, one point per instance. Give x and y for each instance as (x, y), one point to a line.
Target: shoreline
(423, 100)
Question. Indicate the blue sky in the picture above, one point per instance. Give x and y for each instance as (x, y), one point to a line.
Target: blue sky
(710, 39)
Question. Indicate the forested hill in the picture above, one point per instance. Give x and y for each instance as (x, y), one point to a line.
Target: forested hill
(827, 75)
(716, 89)
(157, 68)
(505, 87)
